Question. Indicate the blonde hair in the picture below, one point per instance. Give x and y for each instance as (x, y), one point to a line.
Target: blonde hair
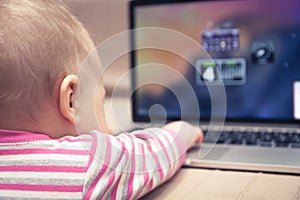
(40, 43)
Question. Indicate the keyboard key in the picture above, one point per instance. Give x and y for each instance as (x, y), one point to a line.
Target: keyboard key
(224, 137)
(266, 137)
(295, 145)
(251, 138)
(237, 138)
(281, 144)
(221, 140)
(281, 138)
(294, 138)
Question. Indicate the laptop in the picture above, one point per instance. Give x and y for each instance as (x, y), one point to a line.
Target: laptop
(232, 67)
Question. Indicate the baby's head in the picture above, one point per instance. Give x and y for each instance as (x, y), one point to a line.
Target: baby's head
(41, 48)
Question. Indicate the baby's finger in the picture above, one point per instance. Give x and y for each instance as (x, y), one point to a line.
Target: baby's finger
(200, 136)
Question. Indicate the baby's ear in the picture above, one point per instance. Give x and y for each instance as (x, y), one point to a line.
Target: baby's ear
(67, 90)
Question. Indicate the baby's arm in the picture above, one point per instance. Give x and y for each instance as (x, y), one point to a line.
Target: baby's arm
(132, 164)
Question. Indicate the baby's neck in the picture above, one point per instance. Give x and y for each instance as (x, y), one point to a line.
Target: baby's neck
(52, 125)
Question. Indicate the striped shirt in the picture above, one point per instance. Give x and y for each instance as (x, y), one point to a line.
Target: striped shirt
(90, 166)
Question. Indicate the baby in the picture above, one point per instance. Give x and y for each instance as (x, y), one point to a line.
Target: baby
(42, 155)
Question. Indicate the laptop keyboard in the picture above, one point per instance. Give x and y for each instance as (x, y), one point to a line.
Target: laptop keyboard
(284, 139)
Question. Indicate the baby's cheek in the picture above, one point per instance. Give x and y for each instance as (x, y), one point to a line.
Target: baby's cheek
(99, 108)
(100, 115)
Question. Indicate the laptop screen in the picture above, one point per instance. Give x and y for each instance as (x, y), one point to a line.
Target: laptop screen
(252, 50)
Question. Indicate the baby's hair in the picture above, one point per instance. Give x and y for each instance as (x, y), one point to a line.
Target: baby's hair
(40, 43)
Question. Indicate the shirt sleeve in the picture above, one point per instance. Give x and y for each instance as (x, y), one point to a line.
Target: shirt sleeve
(132, 164)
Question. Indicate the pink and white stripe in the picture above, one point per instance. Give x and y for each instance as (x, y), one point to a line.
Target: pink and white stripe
(90, 166)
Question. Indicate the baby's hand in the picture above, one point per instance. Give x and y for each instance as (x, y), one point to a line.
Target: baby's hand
(191, 134)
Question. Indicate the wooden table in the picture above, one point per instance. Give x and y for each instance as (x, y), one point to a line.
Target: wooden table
(215, 184)
(196, 183)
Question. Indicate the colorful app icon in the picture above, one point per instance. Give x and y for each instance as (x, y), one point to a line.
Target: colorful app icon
(263, 52)
(221, 40)
(229, 71)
